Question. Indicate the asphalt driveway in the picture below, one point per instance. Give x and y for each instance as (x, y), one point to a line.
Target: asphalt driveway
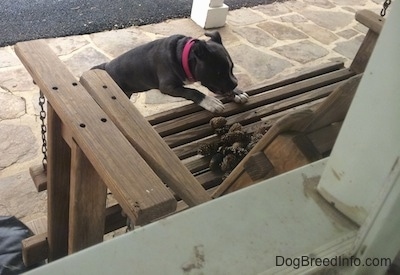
(22, 20)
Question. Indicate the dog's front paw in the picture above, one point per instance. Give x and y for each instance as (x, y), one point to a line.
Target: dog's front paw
(212, 104)
(241, 98)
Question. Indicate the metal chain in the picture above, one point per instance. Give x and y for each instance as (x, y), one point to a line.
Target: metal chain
(43, 127)
(386, 4)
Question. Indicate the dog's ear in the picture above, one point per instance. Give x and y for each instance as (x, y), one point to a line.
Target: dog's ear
(215, 36)
(200, 49)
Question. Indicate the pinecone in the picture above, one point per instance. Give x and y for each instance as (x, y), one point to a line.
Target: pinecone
(235, 136)
(236, 127)
(253, 141)
(222, 130)
(229, 162)
(208, 149)
(215, 162)
(217, 122)
(239, 150)
(261, 130)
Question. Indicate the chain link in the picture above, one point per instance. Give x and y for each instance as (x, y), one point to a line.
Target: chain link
(43, 127)
(386, 4)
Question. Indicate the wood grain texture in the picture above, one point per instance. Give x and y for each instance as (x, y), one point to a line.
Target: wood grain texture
(87, 203)
(58, 186)
(140, 192)
(143, 137)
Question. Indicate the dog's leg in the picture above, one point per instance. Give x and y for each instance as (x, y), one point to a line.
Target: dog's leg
(209, 103)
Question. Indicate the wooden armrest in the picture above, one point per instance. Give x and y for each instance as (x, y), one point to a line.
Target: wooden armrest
(143, 137)
(140, 192)
(371, 20)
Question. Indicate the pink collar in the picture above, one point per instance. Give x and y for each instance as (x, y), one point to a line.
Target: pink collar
(185, 60)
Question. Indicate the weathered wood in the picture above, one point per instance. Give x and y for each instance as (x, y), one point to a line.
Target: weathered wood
(265, 114)
(139, 191)
(146, 141)
(306, 147)
(259, 88)
(58, 175)
(266, 108)
(258, 166)
(284, 154)
(180, 124)
(35, 249)
(375, 23)
(371, 20)
(39, 177)
(288, 150)
(293, 122)
(335, 107)
(324, 138)
(87, 203)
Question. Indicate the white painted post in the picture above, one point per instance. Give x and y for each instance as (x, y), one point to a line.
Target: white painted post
(209, 13)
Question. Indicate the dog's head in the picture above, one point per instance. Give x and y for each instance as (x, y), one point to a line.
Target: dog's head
(214, 66)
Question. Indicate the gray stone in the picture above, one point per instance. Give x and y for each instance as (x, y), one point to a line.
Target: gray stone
(303, 52)
(67, 45)
(349, 33)
(244, 81)
(243, 17)
(350, 2)
(361, 28)
(117, 42)
(259, 65)
(170, 27)
(17, 144)
(282, 32)
(8, 58)
(256, 36)
(349, 48)
(274, 9)
(156, 97)
(11, 106)
(296, 6)
(320, 3)
(331, 20)
(320, 34)
(19, 198)
(84, 60)
(293, 18)
(227, 34)
(16, 79)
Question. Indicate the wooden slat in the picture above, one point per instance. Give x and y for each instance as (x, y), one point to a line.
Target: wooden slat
(35, 249)
(187, 122)
(143, 137)
(262, 87)
(39, 177)
(140, 192)
(58, 175)
(247, 117)
(88, 203)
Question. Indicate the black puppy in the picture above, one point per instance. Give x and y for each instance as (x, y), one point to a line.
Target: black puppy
(169, 63)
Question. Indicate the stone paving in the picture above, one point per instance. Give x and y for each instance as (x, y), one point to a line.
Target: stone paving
(266, 42)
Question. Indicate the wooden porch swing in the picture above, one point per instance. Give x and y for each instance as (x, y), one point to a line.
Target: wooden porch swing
(97, 140)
